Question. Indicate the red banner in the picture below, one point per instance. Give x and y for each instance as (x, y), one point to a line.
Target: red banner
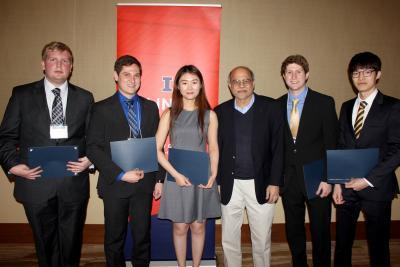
(166, 37)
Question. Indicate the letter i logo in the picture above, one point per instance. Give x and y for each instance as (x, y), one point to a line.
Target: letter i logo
(166, 84)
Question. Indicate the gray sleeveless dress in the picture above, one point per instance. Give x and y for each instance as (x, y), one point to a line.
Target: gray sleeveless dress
(189, 204)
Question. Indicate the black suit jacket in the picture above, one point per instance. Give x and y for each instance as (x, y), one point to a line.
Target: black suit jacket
(26, 123)
(381, 130)
(317, 131)
(108, 123)
(266, 146)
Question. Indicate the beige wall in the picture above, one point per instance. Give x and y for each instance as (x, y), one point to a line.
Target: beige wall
(256, 33)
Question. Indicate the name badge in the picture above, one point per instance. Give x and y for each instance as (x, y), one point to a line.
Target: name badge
(58, 131)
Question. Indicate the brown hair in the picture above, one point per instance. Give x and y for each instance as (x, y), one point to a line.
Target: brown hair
(53, 46)
(126, 60)
(296, 59)
(201, 101)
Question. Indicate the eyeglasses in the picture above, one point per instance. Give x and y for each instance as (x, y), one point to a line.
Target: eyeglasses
(245, 82)
(366, 73)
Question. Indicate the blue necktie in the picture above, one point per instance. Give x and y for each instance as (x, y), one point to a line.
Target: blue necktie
(133, 119)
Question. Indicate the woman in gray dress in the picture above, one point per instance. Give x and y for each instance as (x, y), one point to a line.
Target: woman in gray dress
(191, 125)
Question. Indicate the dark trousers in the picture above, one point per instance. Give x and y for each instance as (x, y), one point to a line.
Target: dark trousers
(377, 216)
(116, 213)
(57, 228)
(319, 210)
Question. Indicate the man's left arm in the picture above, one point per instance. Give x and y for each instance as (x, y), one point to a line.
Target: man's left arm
(330, 127)
(391, 159)
(83, 163)
(9, 134)
(276, 122)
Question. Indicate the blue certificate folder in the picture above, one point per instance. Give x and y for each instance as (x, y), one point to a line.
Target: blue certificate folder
(193, 164)
(347, 163)
(53, 160)
(135, 153)
(313, 173)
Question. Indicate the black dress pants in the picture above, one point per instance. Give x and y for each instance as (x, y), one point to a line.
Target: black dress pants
(319, 210)
(116, 213)
(377, 216)
(57, 227)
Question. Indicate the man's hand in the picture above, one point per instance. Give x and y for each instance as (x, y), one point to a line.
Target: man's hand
(324, 189)
(24, 171)
(357, 184)
(133, 176)
(272, 194)
(337, 195)
(78, 166)
(157, 191)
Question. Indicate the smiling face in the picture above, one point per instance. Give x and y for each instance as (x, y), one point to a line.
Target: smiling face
(57, 66)
(241, 84)
(295, 78)
(189, 86)
(128, 80)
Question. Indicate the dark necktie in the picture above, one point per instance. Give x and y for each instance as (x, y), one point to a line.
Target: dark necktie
(57, 117)
(359, 119)
(133, 119)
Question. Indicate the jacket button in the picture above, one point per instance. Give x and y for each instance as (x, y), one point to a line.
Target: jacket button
(294, 150)
(233, 173)
(233, 157)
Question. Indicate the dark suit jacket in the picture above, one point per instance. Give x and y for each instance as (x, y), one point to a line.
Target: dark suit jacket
(381, 130)
(266, 146)
(108, 123)
(26, 123)
(317, 131)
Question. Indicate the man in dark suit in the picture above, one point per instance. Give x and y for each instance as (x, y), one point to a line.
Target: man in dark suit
(310, 129)
(371, 120)
(124, 193)
(250, 139)
(55, 207)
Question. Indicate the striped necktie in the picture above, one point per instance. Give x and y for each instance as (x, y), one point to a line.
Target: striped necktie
(132, 119)
(294, 118)
(359, 119)
(57, 117)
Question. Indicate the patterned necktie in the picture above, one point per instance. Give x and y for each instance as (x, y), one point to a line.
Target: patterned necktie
(294, 119)
(359, 119)
(132, 119)
(57, 117)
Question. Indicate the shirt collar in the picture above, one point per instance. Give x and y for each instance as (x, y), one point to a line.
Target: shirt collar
(301, 97)
(123, 98)
(369, 99)
(49, 86)
(247, 107)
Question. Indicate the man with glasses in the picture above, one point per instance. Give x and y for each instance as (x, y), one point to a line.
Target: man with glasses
(310, 128)
(250, 138)
(371, 120)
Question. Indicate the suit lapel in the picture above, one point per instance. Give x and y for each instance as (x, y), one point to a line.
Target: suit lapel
(374, 111)
(119, 116)
(144, 117)
(230, 120)
(39, 96)
(349, 117)
(258, 115)
(305, 115)
(284, 100)
(71, 105)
